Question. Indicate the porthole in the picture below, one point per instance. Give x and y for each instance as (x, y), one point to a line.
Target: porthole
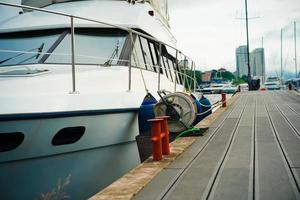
(10, 141)
(68, 135)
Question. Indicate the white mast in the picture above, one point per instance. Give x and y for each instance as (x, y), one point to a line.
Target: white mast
(295, 37)
(281, 57)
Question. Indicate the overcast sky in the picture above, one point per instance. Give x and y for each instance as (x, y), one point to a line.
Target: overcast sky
(210, 30)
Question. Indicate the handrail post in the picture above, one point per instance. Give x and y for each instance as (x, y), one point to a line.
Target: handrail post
(129, 62)
(159, 65)
(73, 56)
(180, 70)
(176, 72)
(194, 76)
(184, 72)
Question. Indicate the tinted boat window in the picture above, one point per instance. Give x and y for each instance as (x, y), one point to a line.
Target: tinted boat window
(154, 55)
(146, 53)
(165, 66)
(177, 72)
(171, 64)
(25, 47)
(92, 46)
(171, 69)
(137, 54)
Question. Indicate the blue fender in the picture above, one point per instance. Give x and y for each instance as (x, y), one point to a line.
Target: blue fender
(201, 108)
(205, 101)
(146, 112)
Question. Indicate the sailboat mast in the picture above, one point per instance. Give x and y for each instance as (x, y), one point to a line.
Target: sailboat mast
(248, 57)
(295, 44)
(263, 61)
(281, 56)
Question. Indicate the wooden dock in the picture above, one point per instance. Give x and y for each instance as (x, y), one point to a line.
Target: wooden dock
(251, 151)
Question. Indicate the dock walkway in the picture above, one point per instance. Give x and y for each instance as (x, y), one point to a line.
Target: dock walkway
(252, 151)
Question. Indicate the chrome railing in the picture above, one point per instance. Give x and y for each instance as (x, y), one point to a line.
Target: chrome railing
(184, 76)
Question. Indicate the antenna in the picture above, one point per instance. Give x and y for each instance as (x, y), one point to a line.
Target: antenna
(248, 57)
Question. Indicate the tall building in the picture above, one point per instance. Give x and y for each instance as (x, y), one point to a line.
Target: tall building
(241, 61)
(257, 63)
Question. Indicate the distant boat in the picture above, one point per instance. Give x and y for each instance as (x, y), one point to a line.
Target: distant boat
(272, 83)
(217, 88)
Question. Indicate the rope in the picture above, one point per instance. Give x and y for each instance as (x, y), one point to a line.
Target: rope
(207, 110)
(208, 106)
(214, 105)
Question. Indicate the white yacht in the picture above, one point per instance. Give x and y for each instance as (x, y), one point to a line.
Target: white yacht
(217, 88)
(73, 75)
(272, 83)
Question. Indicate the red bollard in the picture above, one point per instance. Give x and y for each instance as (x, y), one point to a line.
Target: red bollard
(165, 135)
(156, 138)
(223, 99)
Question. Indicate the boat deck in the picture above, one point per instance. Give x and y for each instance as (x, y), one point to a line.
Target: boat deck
(252, 151)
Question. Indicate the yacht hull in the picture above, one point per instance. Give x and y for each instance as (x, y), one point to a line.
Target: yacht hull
(38, 168)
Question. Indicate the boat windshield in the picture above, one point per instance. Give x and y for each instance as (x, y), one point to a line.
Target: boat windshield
(25, 47)
(92, 46)
(272, 79)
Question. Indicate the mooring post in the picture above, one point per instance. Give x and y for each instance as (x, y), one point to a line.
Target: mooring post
(156, 138)
(165, 135)
(223, 99)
